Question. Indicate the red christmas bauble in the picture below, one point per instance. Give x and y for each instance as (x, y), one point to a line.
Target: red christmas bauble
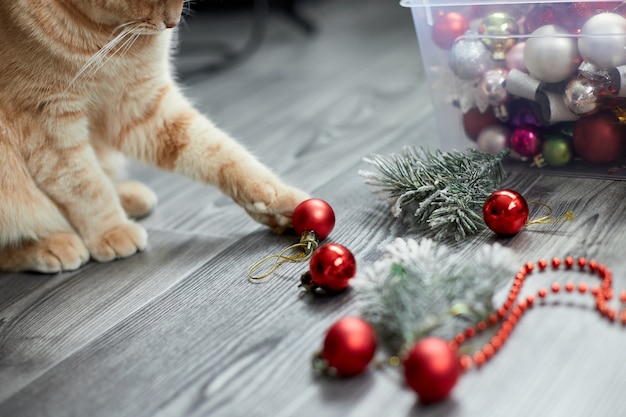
(474, 122)
(448, 27)
(599, 138)
(431, 369)
(505, 212)
(539, 16)
(349, 346)
(314, 214)
(332, 266)
(576, 13)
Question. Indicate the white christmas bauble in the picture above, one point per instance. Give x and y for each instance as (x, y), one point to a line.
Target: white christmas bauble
(603, 40)
(493, 139)
(549, 57)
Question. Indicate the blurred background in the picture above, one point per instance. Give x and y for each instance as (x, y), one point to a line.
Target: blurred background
(231, 31)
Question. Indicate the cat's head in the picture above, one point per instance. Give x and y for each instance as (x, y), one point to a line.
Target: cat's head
(153, 14)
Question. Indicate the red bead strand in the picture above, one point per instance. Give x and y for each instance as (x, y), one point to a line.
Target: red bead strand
(511, 311)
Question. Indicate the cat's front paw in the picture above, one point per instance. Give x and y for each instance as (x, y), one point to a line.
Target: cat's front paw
(275, 208)
(57, 253)
(61, 252)
(121, 241)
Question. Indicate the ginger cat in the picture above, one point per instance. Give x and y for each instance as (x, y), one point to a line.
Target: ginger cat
(81, 83)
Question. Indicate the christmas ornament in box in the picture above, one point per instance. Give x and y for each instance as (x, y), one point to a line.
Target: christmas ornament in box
(546, 80)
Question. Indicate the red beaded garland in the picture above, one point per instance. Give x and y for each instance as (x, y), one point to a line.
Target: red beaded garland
(316, 215)
(432, 366)
(505, 212)
(349, 346)
(510, 314)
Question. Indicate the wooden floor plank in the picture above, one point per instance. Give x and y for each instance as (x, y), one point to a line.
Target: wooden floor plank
(180, 331)
(63, 313)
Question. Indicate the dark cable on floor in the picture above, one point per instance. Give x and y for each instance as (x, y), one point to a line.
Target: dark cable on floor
(230, 56)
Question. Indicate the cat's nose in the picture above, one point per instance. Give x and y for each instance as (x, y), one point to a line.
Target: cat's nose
(170, 19)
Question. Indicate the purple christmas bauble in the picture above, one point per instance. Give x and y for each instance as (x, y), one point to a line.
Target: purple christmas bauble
(521, 114)
(525, 141)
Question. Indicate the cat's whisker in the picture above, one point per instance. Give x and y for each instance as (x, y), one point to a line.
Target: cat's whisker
(128, 43)
(100, 58)
(120, 49)
(123, 26)
(126, 35)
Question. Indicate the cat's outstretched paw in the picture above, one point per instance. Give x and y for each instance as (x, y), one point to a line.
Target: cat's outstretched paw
(57, 253)
(121, 241)
(137, 199)
(276, 209)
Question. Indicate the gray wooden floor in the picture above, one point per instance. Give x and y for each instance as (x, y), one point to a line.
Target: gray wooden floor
(179, 330)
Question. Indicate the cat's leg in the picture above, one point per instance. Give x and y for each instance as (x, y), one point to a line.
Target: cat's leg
(174, 136)
(34, 235)
(68, 171)
(137, 199)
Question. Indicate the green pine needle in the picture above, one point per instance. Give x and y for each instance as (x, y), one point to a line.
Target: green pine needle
(444, 190)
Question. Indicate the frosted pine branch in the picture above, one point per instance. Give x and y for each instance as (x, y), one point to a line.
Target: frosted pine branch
(421, 288)
(445, 191)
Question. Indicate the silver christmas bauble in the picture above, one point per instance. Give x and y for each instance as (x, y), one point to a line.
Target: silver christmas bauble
(493, 139)
(491, 87)
(549, 57)
(469, 58)
(603, 40)
(583, 96)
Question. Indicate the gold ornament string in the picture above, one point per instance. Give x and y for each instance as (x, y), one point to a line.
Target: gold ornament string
(303, 251)
(566, 217)
(620, 113)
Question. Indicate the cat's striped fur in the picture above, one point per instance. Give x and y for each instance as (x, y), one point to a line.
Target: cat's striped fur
(82, 82)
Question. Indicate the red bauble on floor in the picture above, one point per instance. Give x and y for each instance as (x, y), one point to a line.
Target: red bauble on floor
(331, 268)
(505, 212)
(349, 346)
(316, 215)
(432, 369)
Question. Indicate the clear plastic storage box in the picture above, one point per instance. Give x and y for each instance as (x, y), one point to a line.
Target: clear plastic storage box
(544, 79)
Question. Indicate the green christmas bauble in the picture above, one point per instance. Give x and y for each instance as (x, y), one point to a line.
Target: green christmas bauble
(557, 150)
(499, 30)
